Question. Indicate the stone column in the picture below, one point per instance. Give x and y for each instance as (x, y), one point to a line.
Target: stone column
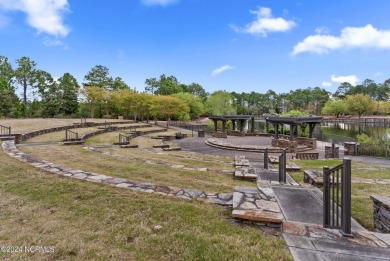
(241, 125)
(311, 129)
(234, 124)
(292, 132)
(215, 125)
(252, 125)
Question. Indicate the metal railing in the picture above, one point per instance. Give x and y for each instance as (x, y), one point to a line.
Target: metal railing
(71, 135)
(282, 167)
(5, 130)
(337, 139)
(266, 158)
(337, 197)
(123, 139)
(374, 150)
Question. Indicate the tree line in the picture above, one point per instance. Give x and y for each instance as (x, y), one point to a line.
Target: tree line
(101, 95)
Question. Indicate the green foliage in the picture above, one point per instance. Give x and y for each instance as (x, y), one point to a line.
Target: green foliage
(69, 87)
(9, 100)
(364, 138)
(195, 104)
(335, 107)
(220, 103)
(295, 113)
(359, 104)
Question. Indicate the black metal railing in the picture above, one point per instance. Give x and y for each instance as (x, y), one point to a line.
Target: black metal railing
(374, 150)
(266, 158)
(123, 139)
(282, 167)
(337, 197)
(5, 130)
(71, 135)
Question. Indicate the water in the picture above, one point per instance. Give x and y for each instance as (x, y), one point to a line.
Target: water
(353, 129)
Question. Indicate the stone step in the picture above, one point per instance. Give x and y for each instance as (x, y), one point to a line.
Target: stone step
(245, 173)
(129, 146)
(258, 206)
(162, 146)
(171, 149)
(6, 137)
(73, 142)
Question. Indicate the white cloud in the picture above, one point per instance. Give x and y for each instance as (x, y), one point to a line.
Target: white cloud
(46, 16)
(352, 79)
(158, 2)
(326, 84)
(378, 73)
(265, 23)
(221, 69)
(350, 37)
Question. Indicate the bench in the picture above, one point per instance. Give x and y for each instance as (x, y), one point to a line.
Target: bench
(307, 155)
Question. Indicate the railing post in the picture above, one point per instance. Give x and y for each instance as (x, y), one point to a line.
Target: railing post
(266, 158)
(326, 197)
(284, 165)
(66, 134)
(346, 199)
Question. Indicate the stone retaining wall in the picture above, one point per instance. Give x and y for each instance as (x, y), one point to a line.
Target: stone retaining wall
(381, 213)
(308, 142)
(290, 146)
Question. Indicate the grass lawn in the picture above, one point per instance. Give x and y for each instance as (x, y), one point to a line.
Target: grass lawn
(79, 158)
(362, 206)
(90, 221)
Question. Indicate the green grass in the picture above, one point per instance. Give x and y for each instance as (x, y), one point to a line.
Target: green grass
(89, 221)
(79, 158)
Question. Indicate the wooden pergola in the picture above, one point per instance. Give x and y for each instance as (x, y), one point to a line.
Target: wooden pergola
(294, 122)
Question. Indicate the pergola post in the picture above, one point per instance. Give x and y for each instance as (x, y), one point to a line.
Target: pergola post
(292, 131)
(223, 125)
(216, 125)
(252, 124)
(241, 125)
(234, 124)
(276, 127)
(311, 129)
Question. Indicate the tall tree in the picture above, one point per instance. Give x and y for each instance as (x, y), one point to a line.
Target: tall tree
(99, 76)
(168, 85)
(343, 90)
(6, 71)
(169, 107)
(194, 102)
(335, 107)
(26, 75)
(151, 85)
(70, 88)
(119, 84)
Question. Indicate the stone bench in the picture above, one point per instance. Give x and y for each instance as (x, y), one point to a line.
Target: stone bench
(314, 178)
(307, 155)
(128, 146)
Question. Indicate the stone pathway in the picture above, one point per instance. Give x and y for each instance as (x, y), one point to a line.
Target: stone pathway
(216, 198)
(154, 162)
(311, 243)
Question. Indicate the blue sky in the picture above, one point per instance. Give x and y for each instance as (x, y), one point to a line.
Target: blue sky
(240, 46)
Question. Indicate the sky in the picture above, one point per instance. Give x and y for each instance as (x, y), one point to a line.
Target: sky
(232, 45)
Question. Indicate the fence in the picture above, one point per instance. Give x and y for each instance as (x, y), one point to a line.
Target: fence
(5, 130)
(374, 150)
(337, 139)
(71, 135)
(337, 197)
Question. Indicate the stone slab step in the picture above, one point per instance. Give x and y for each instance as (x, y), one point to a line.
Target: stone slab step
(129, 146)
(75, 142)
(161, 146)
(259, 216)
(171, 149)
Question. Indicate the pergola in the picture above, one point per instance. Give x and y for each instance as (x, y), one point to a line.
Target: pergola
(233, 119)
(294, 122)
